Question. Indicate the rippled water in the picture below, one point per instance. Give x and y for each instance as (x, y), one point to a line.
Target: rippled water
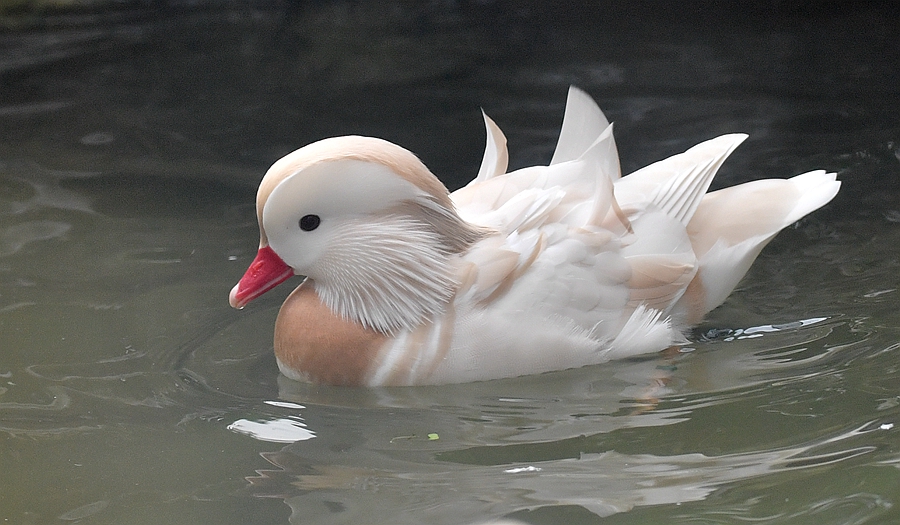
(131, 393)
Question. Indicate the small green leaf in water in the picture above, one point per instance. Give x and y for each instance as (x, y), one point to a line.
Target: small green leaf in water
(433, 437)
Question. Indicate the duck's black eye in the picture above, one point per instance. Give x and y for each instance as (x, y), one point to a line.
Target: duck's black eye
(309, 223)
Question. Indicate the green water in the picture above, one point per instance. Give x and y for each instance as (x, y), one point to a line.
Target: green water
(130, 392)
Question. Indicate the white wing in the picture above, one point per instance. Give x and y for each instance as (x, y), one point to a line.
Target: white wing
(677, 184)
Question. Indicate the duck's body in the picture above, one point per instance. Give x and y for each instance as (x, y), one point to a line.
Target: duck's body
(541, 269)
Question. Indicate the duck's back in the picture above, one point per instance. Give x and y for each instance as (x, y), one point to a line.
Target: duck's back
(587, 265)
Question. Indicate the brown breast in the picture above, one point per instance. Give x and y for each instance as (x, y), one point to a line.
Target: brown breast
(311, 340)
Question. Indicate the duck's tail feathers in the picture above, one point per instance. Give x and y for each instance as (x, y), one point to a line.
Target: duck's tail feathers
(582, 123)
(731, 226)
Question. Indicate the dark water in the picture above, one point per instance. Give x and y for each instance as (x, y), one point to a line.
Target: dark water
(131, 142)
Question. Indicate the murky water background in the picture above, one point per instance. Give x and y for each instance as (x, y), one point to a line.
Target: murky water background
(131, 142)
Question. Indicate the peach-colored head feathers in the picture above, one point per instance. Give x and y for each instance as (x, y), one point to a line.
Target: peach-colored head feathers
(368, 149)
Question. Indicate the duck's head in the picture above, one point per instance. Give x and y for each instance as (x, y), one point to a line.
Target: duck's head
(367, 222)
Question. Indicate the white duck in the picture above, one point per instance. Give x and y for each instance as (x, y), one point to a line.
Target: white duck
(540, 269)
